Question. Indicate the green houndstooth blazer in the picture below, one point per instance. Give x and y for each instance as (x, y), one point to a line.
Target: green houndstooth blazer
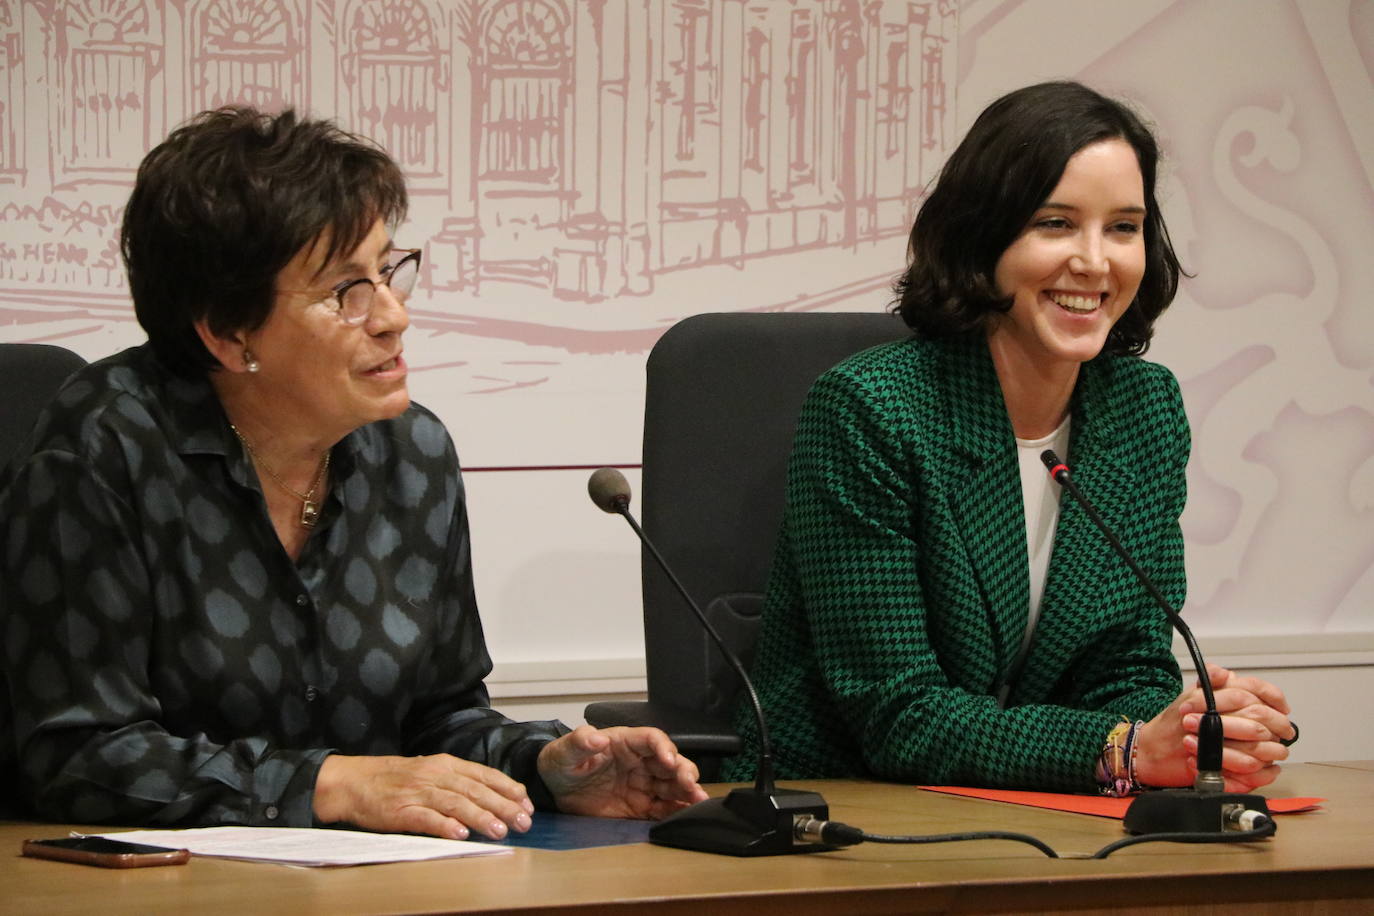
(900, 588)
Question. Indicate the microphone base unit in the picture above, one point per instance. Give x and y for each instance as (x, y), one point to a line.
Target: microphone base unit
(1190, 811)
(746, 822)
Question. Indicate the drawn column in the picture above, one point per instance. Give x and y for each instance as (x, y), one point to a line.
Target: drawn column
(790, 165)
(12, 107)
(755, 125)
(643, 160)
(868, 157)
(730, 53)
(838, 123)
(614, 168)
(582, 261)
(454, 249)
(936, 40)
(25, 105)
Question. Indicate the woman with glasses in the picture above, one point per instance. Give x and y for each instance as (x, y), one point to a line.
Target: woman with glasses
(236, 583)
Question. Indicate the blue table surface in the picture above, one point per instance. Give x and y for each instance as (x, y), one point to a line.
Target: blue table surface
(552, 830)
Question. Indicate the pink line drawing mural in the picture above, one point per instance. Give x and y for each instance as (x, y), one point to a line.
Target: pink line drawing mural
(573, 164)
(586, 172)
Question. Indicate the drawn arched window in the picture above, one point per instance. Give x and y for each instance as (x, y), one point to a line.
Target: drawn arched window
(243, 52)
(528, 66)
(11, 88)
(394, 72)
(107, 69)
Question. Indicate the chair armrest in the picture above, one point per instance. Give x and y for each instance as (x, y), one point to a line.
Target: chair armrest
(692, 731)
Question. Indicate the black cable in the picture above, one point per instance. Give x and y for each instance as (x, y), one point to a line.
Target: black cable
(837, 834)
(957, 837)
(834, 833)
(1237, 836)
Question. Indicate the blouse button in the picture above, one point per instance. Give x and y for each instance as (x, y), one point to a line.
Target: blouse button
(271, 812)
(302, 600)
(312, 693)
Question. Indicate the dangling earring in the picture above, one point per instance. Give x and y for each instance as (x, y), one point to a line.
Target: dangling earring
(249, 362)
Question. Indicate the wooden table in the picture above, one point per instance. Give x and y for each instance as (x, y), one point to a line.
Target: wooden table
(1320, 862)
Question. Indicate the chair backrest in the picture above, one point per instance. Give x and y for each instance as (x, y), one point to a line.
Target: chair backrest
(30, 375)
(721, 403)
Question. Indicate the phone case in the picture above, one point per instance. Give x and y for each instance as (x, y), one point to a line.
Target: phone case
(38, 850)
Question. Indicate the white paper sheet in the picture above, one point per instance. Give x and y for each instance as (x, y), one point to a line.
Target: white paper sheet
(306, 846)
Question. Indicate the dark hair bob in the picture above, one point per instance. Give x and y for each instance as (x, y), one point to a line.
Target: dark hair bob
(1000, 174)
(225, 202)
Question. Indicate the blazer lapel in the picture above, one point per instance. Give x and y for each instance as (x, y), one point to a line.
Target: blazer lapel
(986, 491)
(1082, 563)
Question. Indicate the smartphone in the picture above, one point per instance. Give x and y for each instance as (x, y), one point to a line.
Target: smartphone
(97, 850)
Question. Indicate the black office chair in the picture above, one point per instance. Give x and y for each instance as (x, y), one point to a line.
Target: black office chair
(30, 375)
(720, 411)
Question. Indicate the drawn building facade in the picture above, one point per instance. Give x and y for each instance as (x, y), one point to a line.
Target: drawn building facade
(575, 149)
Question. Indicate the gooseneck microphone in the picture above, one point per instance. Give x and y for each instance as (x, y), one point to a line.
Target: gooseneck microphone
(759, 821)
(763, 820)
(1207, 807)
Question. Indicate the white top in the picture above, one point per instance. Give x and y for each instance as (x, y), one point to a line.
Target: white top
(1041, 497)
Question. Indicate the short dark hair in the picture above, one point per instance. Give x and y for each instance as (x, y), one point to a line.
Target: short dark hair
(225, 202)
(1000, 174)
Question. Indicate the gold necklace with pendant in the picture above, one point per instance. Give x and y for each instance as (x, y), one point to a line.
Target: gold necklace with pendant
(310, 510)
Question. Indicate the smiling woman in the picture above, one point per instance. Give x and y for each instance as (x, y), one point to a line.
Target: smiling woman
(1070, 275)
(934, 615)
(236, 585)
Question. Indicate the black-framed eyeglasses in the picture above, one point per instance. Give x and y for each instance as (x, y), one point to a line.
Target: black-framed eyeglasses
(353, 299)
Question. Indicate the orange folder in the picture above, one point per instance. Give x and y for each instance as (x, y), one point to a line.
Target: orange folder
(1100, 805)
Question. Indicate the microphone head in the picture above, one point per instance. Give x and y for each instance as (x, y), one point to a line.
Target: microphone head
(609, 489)
(1059, 471)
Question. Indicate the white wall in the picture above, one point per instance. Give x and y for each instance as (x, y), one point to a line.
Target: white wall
(546, 289)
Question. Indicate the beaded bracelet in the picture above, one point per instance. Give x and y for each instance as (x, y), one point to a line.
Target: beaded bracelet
(1131, 747)
(1115, 769)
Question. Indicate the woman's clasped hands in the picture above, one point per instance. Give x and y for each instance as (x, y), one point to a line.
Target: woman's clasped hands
(1255, 724)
